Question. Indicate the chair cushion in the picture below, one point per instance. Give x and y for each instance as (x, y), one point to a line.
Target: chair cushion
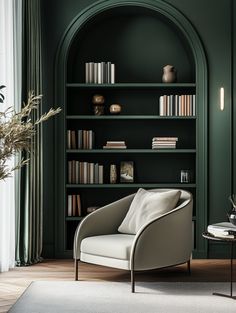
(146, 206)
(113, 246)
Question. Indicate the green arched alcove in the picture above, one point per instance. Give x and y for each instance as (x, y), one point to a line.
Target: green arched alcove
(140, 37)
(137, 39)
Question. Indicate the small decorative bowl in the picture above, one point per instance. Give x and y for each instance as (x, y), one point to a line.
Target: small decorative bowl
(115, 108)
(232, 217)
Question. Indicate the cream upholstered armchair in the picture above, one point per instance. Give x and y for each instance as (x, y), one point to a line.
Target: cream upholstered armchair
(161, 241)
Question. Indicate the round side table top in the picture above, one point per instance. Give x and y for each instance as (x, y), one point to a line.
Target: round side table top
(211, 237)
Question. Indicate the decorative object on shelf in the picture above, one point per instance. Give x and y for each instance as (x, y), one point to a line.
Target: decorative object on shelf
(127, 172)
(185, 176)
(91, 209)
(232, 213)
(98, 104)
(169, 74)
(113, 174)
(115, 108)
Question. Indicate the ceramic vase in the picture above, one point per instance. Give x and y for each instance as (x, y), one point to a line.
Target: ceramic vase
(169, 74)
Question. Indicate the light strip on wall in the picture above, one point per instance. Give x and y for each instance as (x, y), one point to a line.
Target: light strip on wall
(222, 99)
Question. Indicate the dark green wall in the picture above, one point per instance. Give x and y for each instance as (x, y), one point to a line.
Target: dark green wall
(214, 29)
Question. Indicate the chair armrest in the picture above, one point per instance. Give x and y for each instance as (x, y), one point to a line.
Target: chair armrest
(103, 221)
(164, 241)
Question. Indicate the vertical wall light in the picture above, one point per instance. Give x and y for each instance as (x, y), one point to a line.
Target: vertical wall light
(222, 99)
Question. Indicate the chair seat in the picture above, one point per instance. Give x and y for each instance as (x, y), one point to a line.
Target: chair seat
(116, 246)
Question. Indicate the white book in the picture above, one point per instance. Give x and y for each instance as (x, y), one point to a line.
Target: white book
(112, 73)
(194, 105)
(95, 73)
(99, 73)
(69, 205)
(161, 107)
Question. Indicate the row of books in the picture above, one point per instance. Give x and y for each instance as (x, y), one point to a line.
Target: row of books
(177, 105)
(74, 205)
(84, 173)
(80, 139)
(164, 142)
(222, 230)
(99, 73)
(115, 145)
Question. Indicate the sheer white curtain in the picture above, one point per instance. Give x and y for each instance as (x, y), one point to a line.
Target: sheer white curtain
(10, 73)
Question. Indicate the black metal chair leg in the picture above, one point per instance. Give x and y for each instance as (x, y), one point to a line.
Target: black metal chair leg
(132, 281)
(188, 266)
(76, 269)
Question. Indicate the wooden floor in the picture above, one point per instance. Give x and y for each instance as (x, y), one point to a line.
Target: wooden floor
(14, 282)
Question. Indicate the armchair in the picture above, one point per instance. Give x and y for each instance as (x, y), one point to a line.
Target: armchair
(164, 241)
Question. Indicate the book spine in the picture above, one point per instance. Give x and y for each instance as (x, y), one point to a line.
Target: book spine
(95, 73)
(161, 111)
(86, 72)
(112, 73)
(100, 174)
(68, 139)
(79, 213)
(91, 73)
(99, 73)
(108, 72)
(73, 139)
(73, 205)
(69, 205)
(80, 139)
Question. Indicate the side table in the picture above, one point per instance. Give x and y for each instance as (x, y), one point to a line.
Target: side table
(231, 241)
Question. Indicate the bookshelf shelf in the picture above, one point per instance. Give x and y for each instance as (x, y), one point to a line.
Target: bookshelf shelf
(141, 185)
(127, 117)
(127, 151)
(131, 85)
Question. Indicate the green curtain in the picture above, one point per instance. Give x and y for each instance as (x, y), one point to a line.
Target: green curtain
(29, 211)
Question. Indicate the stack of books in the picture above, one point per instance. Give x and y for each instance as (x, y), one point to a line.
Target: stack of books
(99, 73)
(164, 142)
(115, 145)
(222, 230)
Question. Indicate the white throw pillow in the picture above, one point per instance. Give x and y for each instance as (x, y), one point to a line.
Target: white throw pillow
(146, 206)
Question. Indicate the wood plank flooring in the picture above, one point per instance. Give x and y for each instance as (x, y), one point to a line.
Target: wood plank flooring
(14, 282)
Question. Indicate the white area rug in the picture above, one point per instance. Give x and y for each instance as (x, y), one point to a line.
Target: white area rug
(109, 297)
